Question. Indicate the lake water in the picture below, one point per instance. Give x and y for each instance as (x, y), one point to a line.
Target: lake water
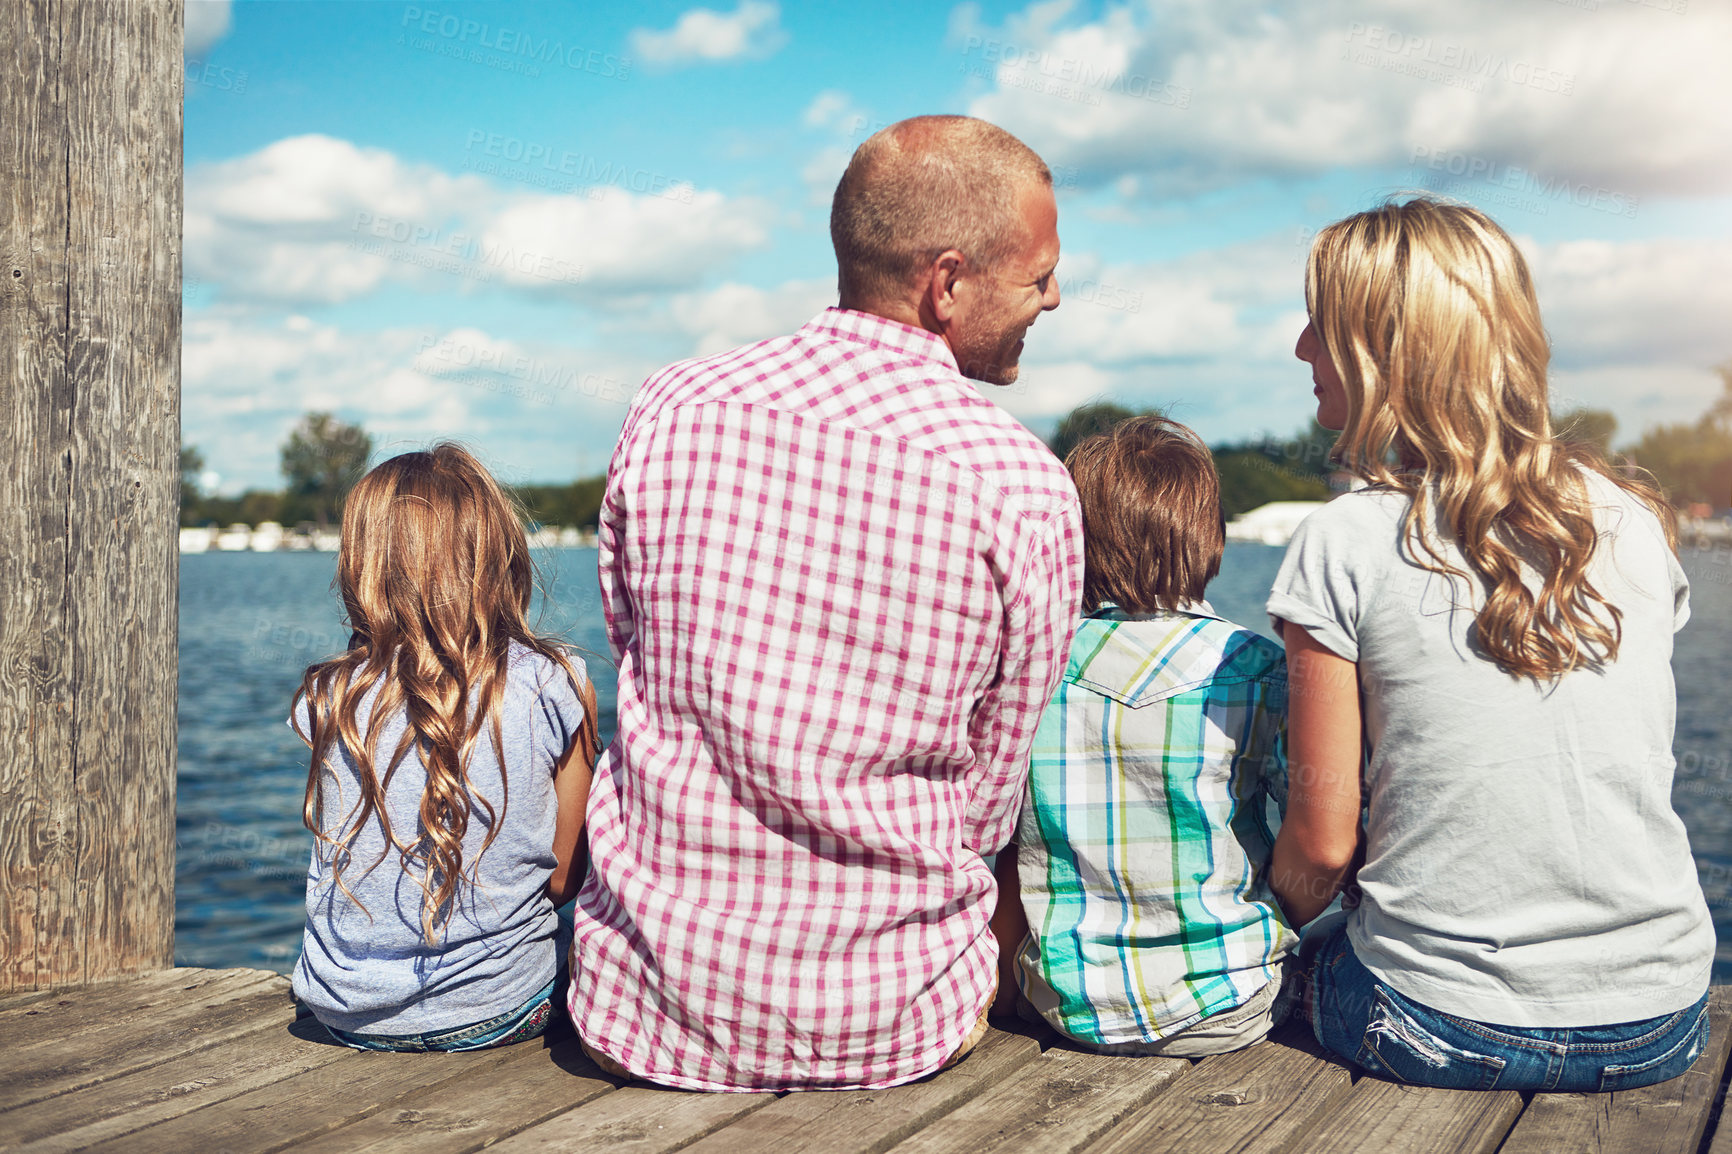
(250, 623)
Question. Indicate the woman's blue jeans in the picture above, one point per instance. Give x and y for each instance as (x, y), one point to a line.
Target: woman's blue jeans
(1365, 1022)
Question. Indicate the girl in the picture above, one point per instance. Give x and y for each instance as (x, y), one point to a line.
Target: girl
(451, 758)
(1490, 623)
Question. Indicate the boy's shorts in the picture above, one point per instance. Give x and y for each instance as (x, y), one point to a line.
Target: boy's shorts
(1219, 1033)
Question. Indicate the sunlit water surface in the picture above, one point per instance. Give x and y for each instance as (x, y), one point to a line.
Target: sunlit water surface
(250, 623)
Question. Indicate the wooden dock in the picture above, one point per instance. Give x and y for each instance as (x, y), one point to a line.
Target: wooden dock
(215, 1060)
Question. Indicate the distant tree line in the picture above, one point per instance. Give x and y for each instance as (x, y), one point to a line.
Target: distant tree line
(321, 460)
(323, 457)
(1691, 460)
(1253, 473)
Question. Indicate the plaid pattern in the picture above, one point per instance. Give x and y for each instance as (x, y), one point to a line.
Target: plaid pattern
(1143, 842)
(839, 583)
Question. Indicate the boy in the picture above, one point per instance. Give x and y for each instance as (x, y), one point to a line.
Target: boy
(1146, 924)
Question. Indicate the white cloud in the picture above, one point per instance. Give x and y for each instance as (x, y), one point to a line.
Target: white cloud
(1635, 327)
(753, 30)
(315, 219)
(207, 21)
(736, 314)
(1636, 303)
(828, 109)
(1639, 395)
(618, 241)
(1052, 388)
(1193, 95)
(833, 112)
(823, 172)
(539, 412)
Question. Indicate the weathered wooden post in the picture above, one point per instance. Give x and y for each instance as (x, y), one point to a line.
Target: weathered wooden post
(90, 219)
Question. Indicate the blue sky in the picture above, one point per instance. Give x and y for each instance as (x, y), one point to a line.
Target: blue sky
(492, 220)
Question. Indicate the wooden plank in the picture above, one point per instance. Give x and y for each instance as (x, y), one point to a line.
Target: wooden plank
(867, 1121)
(1667, 1116)
(70, 1003)
(637, 1119)
(36, 813)
(64, 1014)
(298, 1109)
(110, 985)
(123, 163)
(215, 1074)
(16, 1000)
(1252, 1100)
(476, 1111)
(59, 1067)
(1376, 1117)
(1057, 1103)
(1719, 1136)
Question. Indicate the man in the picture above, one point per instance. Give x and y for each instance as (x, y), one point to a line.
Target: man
(840, 584)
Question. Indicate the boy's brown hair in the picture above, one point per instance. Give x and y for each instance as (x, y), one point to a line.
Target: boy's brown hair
(1151, 508)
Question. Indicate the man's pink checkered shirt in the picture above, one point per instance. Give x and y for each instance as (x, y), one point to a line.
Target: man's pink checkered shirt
(841, 585)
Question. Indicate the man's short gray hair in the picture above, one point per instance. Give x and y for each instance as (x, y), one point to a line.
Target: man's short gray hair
(923, 186)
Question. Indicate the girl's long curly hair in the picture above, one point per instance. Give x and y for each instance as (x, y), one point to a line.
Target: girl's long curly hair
(435, 575)
(1427, 310)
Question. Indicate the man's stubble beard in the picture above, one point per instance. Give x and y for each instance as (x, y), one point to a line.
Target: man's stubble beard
(989, 356)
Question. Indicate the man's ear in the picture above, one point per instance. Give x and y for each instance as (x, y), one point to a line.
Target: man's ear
(942, 277)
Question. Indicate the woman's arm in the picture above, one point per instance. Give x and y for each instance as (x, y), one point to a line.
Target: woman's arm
(571, 782)
(1314, 851)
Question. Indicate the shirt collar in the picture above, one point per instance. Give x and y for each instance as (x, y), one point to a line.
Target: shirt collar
(881, 333)
(1192, 609)
(1171, 652)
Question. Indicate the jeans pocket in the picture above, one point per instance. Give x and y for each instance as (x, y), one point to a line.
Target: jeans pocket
(1395, 1043)
(1677, 1059)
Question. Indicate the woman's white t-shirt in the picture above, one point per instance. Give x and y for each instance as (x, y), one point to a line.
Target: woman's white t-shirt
(1524, 864)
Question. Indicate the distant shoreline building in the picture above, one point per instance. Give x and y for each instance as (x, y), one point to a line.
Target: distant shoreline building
(1271, 524)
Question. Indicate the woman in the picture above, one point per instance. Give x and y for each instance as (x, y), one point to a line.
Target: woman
(1486, 628)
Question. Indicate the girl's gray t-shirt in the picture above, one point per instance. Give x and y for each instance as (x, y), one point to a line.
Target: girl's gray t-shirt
(368, 970)
(1524, 864)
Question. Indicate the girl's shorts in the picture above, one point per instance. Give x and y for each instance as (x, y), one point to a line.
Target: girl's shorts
(1364, 1021)
(529, 1020)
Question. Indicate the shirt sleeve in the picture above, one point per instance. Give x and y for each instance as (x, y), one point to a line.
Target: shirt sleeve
(301, 717)
(1318, 587)
(616, 604)
(561, 712)
(1041, 616)
(1680, 592)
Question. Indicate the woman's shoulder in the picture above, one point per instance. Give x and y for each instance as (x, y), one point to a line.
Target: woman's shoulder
(1367, 520)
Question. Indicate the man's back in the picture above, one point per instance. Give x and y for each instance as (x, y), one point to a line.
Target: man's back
(840, 583)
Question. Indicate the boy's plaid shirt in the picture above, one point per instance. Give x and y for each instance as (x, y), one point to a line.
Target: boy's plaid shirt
(1144, 842)
(840, 584)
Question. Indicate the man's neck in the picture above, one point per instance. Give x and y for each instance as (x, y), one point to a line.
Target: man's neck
(902, 312)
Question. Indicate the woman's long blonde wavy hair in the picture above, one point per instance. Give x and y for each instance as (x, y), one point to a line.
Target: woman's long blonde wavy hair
(1427, 310)
(435, 576)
